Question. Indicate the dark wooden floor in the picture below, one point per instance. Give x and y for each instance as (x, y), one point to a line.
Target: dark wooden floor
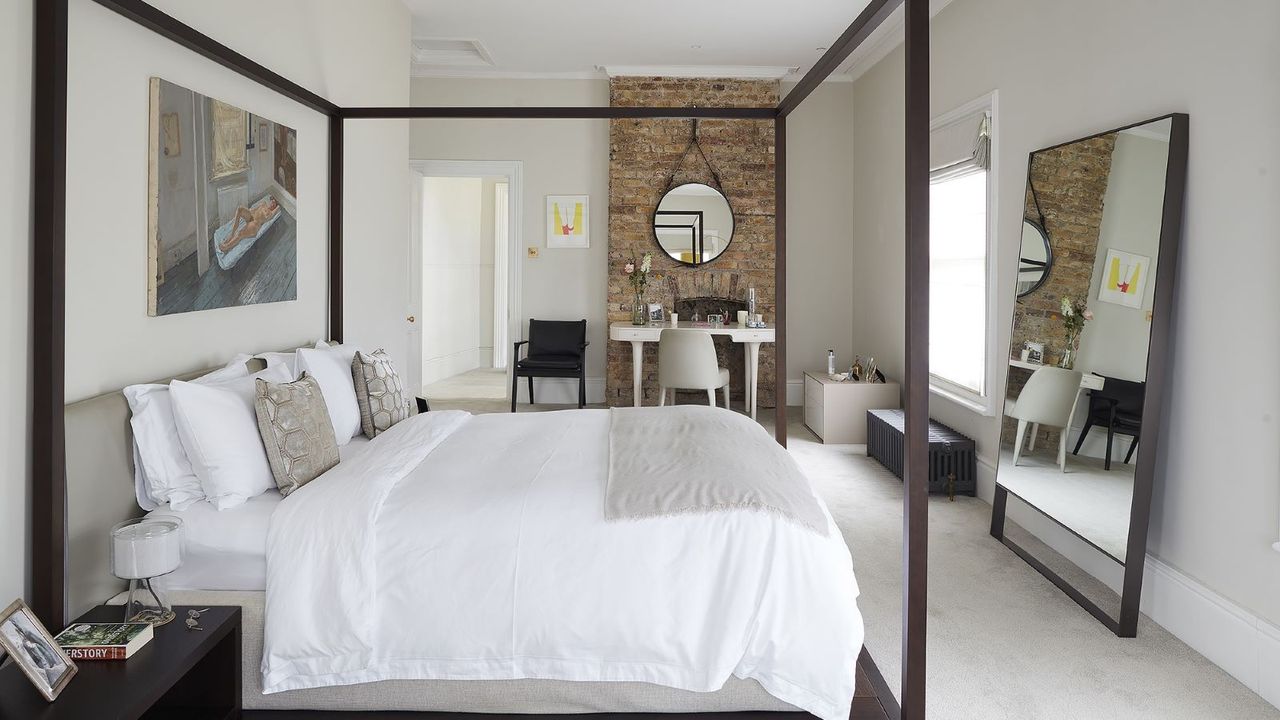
(268, 272)
(872, 700)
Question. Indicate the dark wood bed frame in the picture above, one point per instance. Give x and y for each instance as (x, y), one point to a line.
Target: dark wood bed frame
(49, 174)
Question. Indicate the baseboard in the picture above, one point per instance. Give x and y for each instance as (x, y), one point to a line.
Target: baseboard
(795, 393)
(1236, 640)
(559, 391)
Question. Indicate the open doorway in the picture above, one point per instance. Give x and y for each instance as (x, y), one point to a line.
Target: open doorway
(464, 283)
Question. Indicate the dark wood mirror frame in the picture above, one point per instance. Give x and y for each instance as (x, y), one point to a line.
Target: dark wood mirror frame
(1126, 625)
(48, 235)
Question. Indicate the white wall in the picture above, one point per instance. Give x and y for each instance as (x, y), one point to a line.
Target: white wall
(561, 157)
(1217, 496)
(1114, 343)
(352, 54)
(820, 253)
(572, 156)
(107, 178)
(451, 276)
(15, 308)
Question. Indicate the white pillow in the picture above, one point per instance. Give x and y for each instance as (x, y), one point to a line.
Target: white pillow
(219, 431)
(161, 472)
(331, 367)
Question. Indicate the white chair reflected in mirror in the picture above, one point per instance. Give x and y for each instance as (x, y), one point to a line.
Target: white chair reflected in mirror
(1047, 399)
(687, 361)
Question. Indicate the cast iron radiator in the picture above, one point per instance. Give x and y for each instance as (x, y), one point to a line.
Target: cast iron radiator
(953, 458)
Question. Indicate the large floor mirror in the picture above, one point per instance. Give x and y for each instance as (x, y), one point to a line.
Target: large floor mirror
(1089, 350)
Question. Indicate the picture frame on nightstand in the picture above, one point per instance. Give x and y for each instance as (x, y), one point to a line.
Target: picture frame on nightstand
(34, 650)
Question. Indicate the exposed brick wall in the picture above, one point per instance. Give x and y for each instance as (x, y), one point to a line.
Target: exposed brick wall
(1071, 183)
(642, 154)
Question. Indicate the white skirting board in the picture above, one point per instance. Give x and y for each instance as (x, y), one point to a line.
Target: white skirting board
(559, 391)
(1241, 643)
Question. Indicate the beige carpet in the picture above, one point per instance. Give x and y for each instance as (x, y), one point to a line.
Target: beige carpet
(479, 384)
(1004, 644)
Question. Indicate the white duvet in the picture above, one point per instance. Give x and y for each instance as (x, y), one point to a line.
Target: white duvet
(475, 547)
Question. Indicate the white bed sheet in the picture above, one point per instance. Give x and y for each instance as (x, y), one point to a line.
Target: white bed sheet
(477, 549)
(227, 549)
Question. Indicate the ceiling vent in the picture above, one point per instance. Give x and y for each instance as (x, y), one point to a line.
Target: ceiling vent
(450, 52)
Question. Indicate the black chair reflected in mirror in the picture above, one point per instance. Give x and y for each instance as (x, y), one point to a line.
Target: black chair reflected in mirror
(556, 349)
(1118, 408)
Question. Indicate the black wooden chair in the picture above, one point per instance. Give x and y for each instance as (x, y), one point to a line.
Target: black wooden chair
(1118, 408)
(558, 349)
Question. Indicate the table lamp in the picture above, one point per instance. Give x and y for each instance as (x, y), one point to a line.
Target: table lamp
(143, 549)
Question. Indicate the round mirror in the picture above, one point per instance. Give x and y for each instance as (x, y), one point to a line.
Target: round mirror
(693, 223)
(1036, 258)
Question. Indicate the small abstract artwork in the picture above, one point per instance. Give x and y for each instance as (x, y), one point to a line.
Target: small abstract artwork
(1124, 278)
(568, 221)
(221, 220)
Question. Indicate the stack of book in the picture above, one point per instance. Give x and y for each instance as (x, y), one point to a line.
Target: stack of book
(104, 641)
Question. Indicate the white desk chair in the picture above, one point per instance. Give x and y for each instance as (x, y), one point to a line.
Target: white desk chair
(1046, 399)
(687, 361)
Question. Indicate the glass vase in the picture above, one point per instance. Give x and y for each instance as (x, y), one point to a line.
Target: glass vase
(1069, 352)
(639, 310)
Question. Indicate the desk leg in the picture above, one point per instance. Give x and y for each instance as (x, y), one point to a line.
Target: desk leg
(753, 372)
(1062, 439)
(637, 370)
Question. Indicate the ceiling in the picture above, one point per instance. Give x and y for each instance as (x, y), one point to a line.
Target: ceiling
(577, 38)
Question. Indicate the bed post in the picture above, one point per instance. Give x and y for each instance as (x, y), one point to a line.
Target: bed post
(335, 225)
(916, 386)
(780, 277)
(48, 302)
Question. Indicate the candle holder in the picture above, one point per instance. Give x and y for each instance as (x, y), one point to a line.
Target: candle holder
(141, 550)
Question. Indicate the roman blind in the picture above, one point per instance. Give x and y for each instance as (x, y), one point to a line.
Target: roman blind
(962, 143)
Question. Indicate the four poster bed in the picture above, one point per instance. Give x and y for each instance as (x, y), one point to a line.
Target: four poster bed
(763, 609)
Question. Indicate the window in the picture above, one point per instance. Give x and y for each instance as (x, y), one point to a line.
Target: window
(960, 257)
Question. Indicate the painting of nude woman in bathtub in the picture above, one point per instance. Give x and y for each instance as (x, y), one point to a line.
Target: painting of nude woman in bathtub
(222, 209)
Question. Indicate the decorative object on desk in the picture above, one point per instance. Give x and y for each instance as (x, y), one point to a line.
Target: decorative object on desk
(715, 320)
(34, 650)
(104, 641)
(742, 318)
(655, 312)
(1024, 354)
(1124, 277)
(675, 319)
(142, 549)
(1074, 315)
(831, 362)
(1035, 352)
(855, 370)
(637, 273)
(870, 370)
(751, 302)
(569, 221)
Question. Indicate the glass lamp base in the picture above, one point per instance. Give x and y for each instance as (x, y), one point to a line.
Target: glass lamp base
(146, 605)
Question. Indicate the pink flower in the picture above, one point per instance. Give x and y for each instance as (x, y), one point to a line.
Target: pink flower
(629, 268)
(1088, 314)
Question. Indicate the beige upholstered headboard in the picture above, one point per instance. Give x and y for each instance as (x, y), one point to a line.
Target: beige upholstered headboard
(100, 491)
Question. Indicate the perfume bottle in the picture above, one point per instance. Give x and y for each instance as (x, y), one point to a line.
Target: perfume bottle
(751, 301)
(831, 362)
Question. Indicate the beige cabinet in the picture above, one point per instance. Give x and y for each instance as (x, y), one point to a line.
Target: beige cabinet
(837, 411)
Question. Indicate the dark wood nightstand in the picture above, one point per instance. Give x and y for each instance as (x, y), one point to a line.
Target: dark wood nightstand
(181, 673)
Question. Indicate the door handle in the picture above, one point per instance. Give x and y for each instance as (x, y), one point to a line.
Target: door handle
(411, 318)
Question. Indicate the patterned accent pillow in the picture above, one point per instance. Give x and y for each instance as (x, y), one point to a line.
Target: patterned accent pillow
(294, 422)
(379, 393)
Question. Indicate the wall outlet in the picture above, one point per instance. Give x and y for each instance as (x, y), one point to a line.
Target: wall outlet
(533, 251)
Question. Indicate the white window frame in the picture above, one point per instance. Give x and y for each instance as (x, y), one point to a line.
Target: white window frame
(984, 403)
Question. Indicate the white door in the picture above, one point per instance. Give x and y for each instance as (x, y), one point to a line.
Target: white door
(413, 304)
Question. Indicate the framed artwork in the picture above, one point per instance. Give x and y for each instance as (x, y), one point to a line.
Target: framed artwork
(656, 312)
(568, 221)
(1124, 277)
(221, 231)
(264, 136)
(1035, 352)
(34, 650)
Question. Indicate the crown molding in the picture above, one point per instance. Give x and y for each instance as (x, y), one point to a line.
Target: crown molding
(746, 72)
(427, 72)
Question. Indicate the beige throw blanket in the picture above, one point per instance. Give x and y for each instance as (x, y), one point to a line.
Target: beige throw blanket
(671, 460)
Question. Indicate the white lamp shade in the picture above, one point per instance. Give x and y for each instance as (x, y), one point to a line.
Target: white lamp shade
(146, 548)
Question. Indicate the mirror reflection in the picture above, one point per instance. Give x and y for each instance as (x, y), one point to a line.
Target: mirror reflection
(1081, 328)
(693, 223)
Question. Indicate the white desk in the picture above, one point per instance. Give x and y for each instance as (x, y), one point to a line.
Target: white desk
(750, 338)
